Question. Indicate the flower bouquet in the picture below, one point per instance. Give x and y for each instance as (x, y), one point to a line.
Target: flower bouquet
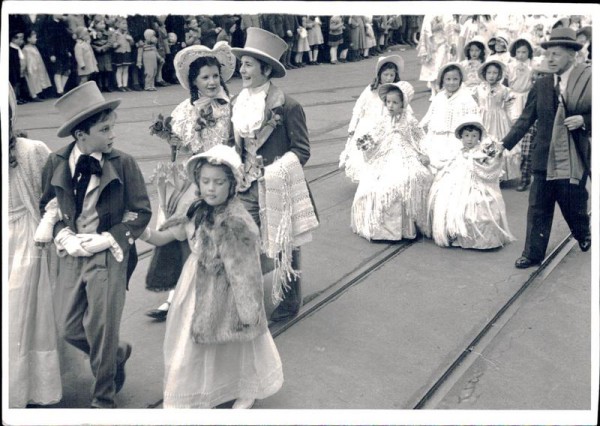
(365, 142)
(162, 128)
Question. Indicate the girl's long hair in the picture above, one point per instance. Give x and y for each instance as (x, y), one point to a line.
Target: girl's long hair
(195, 68)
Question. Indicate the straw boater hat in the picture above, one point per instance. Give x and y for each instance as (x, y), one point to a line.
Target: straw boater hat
(445, 67)
(477, 40)
(483, 68)
(513, 46)
(265, 47)
(404, 86)
(185, 57)
(565, 37)
(218, 155)
(80, 103)
(394, 59)
(470, 120)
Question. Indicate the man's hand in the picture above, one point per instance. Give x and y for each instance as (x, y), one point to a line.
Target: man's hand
(574, 122)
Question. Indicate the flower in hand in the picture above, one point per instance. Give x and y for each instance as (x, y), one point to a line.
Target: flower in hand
(205, 119)
(424, 159)
(365, 142)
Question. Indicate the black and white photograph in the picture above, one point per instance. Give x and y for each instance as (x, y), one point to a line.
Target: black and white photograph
(299, 213)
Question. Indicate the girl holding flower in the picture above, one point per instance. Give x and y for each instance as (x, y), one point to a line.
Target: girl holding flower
(197, 124)
(391, 198)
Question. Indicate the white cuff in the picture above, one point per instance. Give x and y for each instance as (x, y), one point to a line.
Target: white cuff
(114, 248)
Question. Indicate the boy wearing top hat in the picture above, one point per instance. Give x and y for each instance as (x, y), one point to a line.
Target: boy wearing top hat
(267, 123)
(561, 153)
(94, 185)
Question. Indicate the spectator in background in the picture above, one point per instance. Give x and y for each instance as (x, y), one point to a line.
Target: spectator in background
(336, 37)
(122, 57)
(35, 73)
(84, 55)
(193, 35)
(290, 25)
(60, 47)
(103, 50)
(209, 31)
(162, 46)
(137, 24)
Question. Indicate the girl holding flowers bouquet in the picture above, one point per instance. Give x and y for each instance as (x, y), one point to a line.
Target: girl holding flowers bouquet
(391, 198)
(197, 124)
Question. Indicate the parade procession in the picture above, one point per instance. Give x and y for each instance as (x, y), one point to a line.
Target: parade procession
(256, 208)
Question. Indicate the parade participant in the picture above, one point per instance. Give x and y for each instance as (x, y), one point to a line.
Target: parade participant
(203, 72)
(94, 185)
(475, 54)
(36, 75)
(499, 44)
(495, 101)
(217, 345)
(445, 112)
(561, 150)
(84, 55)
(473, 26)
(466, 208)
(268, 123)
(367, 111)
(519, 74)
(435, 48)
(34, 365)
(391, 199)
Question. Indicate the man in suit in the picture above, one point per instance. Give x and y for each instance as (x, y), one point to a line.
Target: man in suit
(95, 186)
(267, 123)
(561, 153)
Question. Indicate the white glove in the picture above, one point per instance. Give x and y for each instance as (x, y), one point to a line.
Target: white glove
(68, 241)
(45, 229)
(94, 243)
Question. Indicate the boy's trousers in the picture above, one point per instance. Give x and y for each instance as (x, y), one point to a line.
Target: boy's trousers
(95, 295)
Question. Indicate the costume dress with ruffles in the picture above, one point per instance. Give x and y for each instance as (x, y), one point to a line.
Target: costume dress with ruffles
(391, 199)
(466, 208)
(34, 365)
(494, 103)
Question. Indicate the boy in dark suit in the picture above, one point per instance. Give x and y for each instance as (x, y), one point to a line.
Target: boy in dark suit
(95, 185)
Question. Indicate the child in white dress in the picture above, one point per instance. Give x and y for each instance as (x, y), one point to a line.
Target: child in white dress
(391, 198)
(217, 345)
(466, 208)
(475, 54)
(519, 74)
(447, 110)
(495, 101)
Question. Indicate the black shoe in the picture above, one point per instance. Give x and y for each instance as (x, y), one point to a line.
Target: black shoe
(120, 375)
(36, 100)
(522, 187)
(159, 314)
(524, 262)
(282, 314)
(585, 244)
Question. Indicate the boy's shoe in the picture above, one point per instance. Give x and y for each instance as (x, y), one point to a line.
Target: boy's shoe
(120, 374)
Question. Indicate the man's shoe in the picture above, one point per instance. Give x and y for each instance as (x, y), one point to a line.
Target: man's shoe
(585, 244)
(120, 375)
(522, 187)
(524, 263)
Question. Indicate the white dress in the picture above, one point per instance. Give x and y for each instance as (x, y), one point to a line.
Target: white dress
(34, 365)
(437, 37)
(466, 208)
(36, 75)
(391, 199)
(444, 115)
(206, 375)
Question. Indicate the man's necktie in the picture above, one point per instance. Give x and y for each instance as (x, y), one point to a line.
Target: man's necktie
(85, 168)
(557, 89)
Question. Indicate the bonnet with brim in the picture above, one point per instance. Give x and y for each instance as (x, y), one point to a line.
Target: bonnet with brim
(483, 67)
(479, 40)
(266, 47)
(394, 59)
(513, 46)
(81, 103)
(445, 67)
(405, 88)
(470, 120)
(217, 155)
(184, 58)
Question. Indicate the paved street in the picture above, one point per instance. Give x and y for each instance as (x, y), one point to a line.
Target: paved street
(387, 339)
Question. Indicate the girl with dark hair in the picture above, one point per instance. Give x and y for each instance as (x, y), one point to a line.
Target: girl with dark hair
(217, 346)
(448, 107)
(200, 122)
(367, 111)
(475, 54)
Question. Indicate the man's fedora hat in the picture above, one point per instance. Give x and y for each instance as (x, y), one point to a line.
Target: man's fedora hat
(80, 103)
(265, 47)
(565, 37)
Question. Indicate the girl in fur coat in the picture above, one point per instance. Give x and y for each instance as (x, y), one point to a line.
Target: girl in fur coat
(217, 345)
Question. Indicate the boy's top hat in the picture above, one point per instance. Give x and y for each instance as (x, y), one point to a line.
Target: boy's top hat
(80, 103)
(470, 120)
(565, 37)
(405, 88)
(265, 47)
(394, 59)
(184, 58)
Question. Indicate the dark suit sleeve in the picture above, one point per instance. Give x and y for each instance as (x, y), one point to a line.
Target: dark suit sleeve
(136, 201)
(48, 192)
(524, 122)
(297, 132)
